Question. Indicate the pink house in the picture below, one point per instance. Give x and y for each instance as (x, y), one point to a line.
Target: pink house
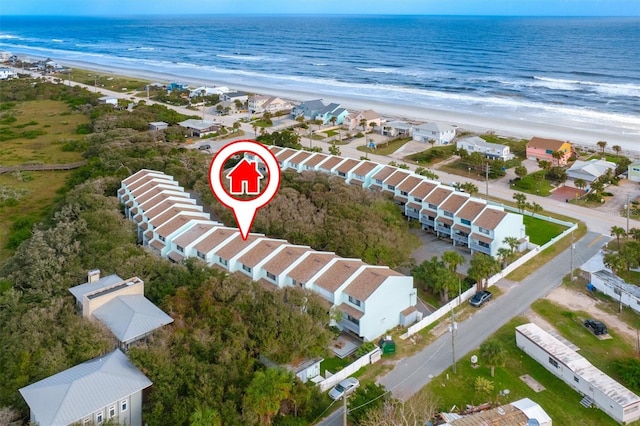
(352, 121)
(543, 149)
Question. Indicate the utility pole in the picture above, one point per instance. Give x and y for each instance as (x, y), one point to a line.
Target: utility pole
(486, 179)
(452, 328)
(572, 249)
(628, 206)
(344, 409)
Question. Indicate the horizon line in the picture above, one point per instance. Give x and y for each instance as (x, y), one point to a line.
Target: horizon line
(470, 15)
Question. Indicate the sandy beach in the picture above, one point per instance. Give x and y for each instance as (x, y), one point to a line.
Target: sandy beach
(579, 133)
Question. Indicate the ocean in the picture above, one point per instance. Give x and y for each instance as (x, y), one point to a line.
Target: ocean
(576, 69)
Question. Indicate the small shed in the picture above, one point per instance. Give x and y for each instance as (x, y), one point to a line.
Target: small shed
(158, 125)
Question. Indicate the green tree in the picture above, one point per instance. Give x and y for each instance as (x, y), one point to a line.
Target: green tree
(205, 417)
(452, 259)
(367, 398)
(334, 149)
(266, 392)
(617, 149)
(476, 160)
(521, 201)
(616, 262)
(492, 352)
(629, 371)
(470, 188)
(602, 145)
(521, 171)
(504, 254)
(373, 126)
(635, 233)
(557, 155)
(481, 268)
(580, 183)
(437, 277)
(333, 120)
(618, 232)
(512, 242)
(363, 123)
(432, 142)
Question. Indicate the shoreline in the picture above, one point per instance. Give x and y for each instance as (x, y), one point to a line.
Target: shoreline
(574, 132)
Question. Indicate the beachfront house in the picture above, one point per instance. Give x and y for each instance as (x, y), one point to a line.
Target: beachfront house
(616, 288)
(355, 119)
(7, 73)
(107, 388)
(259, 104)
(590, 170)
(330, 111)
(241, 97)
(634, 171)
(400, 129)
(442, 134)
(308, 109)
(489, 150)
(199, 128)
(594, 385)
(121, 306)
(543, 149)
(372, 299)
(156, 126)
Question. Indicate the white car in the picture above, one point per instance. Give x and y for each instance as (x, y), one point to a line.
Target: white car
(345, 387)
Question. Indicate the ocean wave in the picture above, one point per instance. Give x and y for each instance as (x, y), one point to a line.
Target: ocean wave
(57, 40)
(250, 58)
(609, 89)
(146, 49)
(10, 37)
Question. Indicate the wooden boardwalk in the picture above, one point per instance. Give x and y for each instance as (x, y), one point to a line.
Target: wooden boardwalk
(40, 167)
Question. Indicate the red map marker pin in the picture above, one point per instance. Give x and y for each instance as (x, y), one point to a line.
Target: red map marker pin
(244, 179)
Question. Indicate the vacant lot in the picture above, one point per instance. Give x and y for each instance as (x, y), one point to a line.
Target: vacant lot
(36, 132)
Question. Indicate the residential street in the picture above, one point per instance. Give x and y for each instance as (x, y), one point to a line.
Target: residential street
(413, 373)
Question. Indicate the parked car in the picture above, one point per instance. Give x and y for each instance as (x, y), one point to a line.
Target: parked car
(205, 146)
(479, 298)
(598, 328)
(345, 387)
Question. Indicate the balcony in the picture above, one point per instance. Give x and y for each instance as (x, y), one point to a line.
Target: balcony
(461, 239)
(474, 246)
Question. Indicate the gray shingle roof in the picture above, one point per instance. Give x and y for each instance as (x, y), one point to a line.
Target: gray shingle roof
(72, 394)
(131, 317)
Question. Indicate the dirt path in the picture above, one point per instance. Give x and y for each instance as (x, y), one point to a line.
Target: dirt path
(578, 301)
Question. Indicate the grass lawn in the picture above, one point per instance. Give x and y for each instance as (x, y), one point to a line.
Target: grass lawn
(262, 123)
(558, 400)
(386, 148)
(433, 155)
(330, 133)
(104, 80)
(334, 364)
(41, 128)
(530, 186)
(541, 231)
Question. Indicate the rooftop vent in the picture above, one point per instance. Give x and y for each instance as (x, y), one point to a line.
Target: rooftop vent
(93, 275)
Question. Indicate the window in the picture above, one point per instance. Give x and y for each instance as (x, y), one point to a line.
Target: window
(465, 222)
(99, 418)
(358, 177)
(447, 214)
(483, 244)
(342, 174)
(123, 406)
(246, 268)
(271, 276)
(180, 249)
(356, 321)
(418, 200)
(548, 151)
(403, 193)
(433, 206)
(575, 379)
(112, 412)
(86, 421)
(161, 238)
(378, 182)
(200, 254)
(391, 187)
(354, 301)
(484, 231)
(223, 261)
(297, 283)
(553, 362)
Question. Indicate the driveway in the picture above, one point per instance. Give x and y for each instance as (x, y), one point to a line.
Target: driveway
(430, 246)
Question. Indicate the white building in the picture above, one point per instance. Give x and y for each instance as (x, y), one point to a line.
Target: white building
(442, 134)
(372, 299)
(617, 288)
(489, 150)
(597, 388)
(634, 171)
(590, 170)
(7, 73)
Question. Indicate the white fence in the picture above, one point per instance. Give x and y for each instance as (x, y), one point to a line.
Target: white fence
(444, 310)
(336, 378)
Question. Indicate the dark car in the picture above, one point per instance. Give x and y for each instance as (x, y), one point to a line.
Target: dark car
(597, 327)
(205, 146)
(479, 298)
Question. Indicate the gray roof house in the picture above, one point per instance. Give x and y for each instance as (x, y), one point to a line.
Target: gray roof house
(104, 388)
(309, 109)
(589, 170)
(489, 150)
(120, 305)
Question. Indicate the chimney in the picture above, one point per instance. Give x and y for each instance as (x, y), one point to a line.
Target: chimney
(93, 276)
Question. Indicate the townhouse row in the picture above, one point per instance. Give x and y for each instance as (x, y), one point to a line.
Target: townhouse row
(468, 221)
(370, 299)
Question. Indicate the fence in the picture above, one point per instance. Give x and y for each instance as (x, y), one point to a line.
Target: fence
(336, 378)
(444, 310)
(40, 167)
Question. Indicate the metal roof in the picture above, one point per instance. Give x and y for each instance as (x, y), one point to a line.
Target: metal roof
(80, 290)
(72, 394)
(131, 317)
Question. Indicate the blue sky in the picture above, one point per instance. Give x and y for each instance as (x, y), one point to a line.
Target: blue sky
(420, 7)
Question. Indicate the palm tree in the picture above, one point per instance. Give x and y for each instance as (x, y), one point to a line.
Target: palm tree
(535, 208)
(255, 129)
(432, 142)
(617, 231)
(557, 155)
(363, 123)
(452, 259)
(521, 200)
(492, 353)
(372, 125)
(512, 242)
(580, 183)
(470, 188)
(635, 233)
(521, 171)
(504, 254)
(602, 145)
(616, 149)
(333, 120)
